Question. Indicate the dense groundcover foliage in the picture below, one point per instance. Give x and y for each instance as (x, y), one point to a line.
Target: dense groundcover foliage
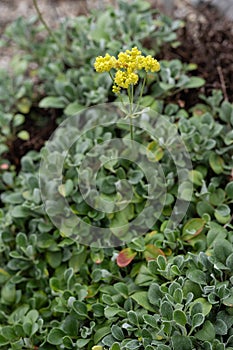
(167, 289)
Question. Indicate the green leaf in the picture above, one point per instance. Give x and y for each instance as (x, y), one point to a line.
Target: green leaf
(216, 232)
(165, 86)
(133, 344)
(222, 250)
(115, 346)
(3, 341)
(66, 189)
(228, 139)
(222, 213)
(196, 276)
(82, 342)
(142, 299)
(229, 189)
(111, 311)
(154, 151)
(197, 320)
(193, 228)
(166, 310)
(30, 328)
(150, 320)
(226, 111)
(154, 294)
(207, 333)
(100, 333)
(13, 198)
(107, 184)
(223, 210)
(180, 317)
(100, 30)
(162, 262)
(67, 342)
(32, 316)
(229, 301)
(8, 293)
(98, 309)
(80, 308)
(185, 191)
(122, 289)
(220, 327)
(135, 176)
(73, 108)
(54, 259)
(178, 294)
(216, 163)
(196, 177)
(160, 347)
(18, 315)
(24, 135)
(76, 260)
(18, 119)
(52, 102)
(55, 336)
(24, 105)
(229, 262)
(8, 333)
(20, 212)
(194, 83)
(181, 342)
(117, 333)
(206, 306)
(133, 317)
(4, 276)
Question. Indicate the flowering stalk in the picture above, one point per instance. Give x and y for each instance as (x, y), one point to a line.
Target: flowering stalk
(126, 67)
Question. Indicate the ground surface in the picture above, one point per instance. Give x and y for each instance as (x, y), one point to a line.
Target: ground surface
(207, 39)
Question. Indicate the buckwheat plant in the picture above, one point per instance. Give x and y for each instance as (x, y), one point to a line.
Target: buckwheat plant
(128, 68)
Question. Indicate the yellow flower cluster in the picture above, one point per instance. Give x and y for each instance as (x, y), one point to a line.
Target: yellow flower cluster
(104, 64)
(127, 65)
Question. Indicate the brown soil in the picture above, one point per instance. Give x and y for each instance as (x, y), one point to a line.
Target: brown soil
(207, 40)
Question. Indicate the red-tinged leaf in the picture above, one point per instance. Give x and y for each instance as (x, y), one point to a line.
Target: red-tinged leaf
(125, 257)
(152, 252)
(97, 256)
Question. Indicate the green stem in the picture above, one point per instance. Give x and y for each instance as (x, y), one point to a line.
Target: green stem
(142, 89)
(130, 94)
(131, 129)
(141, 93)
(41, 18)
(111, 76)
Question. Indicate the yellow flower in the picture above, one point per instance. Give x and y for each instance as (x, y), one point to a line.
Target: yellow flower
(151, 64)
(116, 89)
(129, 60)
(126, 65)
(104, 64)
(134, 52)
(124, 79)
